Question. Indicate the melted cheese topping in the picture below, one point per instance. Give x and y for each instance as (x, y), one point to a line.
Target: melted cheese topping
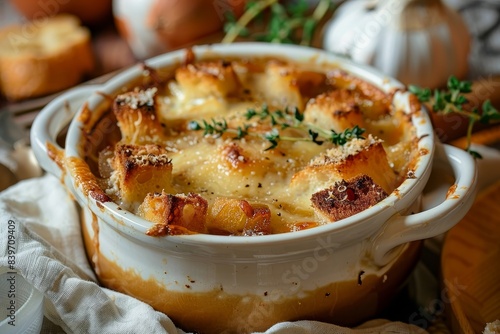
(220, 166)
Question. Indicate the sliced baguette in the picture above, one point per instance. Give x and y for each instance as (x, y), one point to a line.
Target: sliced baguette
(43, 57)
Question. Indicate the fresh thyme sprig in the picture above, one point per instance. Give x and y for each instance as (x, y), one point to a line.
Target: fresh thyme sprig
(286, 24)
(213, 127)
(279, 120)
(453, 100)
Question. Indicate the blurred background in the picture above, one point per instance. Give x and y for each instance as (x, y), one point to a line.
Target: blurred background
(421, 42)
(125, 31)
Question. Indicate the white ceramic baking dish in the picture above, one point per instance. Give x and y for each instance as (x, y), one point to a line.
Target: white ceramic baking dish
(343, 272)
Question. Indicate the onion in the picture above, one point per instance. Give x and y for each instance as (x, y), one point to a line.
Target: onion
(154, 26)
(90, 12)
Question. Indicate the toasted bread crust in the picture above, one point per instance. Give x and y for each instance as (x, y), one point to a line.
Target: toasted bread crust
(358, 157)
(346, 198)
(139, 170)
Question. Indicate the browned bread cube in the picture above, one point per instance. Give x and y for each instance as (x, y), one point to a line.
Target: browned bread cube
(137, 116)
(335, 110)
(357, 157)
(374, 103)
(279, 86)
(139, 170)
(207, 79)
(346, 198)
(174, 214)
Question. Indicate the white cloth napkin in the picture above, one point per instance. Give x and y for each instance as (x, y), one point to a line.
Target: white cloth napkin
(50, 255)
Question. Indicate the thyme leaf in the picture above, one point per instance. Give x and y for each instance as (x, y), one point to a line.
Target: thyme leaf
(278, 120)
(242, 131)
(213, 127)
(290, 23)
(453, 100)
(273, 137)
(349, 134)
(314, 137)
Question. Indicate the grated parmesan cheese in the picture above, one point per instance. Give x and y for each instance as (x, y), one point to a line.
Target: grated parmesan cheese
(138, 98)
(340, 153)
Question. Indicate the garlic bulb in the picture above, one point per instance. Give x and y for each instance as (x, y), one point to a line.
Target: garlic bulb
(419, 42)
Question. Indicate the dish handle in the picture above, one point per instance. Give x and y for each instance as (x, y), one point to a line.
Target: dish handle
(457, 200)
(51, 120)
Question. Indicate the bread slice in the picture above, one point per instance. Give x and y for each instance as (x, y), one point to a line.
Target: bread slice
(139, 170)
(43, 57)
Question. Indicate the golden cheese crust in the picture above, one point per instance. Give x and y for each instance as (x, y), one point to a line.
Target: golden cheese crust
(250, 147)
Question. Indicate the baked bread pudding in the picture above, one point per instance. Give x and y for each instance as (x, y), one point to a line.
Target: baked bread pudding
(249, 147)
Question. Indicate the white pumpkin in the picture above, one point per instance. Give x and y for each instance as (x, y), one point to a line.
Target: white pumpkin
(419, 42)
